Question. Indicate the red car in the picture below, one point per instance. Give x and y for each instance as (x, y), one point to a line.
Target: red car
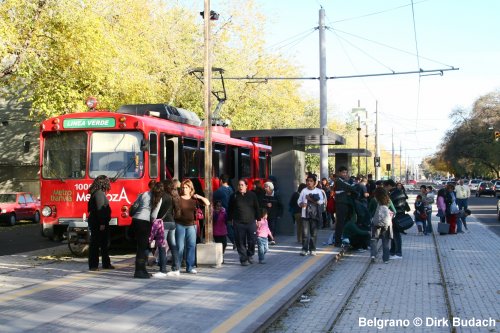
(412, 182)
(19, 206)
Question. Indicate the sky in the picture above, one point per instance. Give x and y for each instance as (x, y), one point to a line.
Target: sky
(383, 36)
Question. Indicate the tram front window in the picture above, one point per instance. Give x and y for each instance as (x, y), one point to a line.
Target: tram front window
(116, 154)
(64, 155)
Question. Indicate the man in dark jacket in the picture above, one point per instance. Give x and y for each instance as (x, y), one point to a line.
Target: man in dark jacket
(398, 199)
(244, 213)
(344, 195)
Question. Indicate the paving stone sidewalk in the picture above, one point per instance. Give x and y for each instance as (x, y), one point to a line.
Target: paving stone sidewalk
(409, 293)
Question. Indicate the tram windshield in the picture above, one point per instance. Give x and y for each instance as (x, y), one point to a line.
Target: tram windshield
(116, 155)
(64, 155)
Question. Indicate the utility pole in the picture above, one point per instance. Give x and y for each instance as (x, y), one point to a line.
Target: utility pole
(400, 158)
(393, 166)
(377, 148)
(366, 145)
(207, 78)
(323, 148)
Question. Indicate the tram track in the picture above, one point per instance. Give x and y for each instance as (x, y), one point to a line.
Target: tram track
(342, 305)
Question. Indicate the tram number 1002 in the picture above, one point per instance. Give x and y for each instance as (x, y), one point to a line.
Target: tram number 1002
(80, 187)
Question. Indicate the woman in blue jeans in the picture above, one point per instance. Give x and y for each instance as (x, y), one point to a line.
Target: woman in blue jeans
(185, 228)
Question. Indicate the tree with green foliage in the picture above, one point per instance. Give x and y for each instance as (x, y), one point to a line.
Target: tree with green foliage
(470, 147)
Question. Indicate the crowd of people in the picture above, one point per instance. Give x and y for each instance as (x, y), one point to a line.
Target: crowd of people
(359, 210)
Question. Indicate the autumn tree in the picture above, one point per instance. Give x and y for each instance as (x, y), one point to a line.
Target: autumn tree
(470, 148)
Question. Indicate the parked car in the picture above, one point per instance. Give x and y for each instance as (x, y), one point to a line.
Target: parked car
(485, 188)
(473, 183)
(497, 185)
(17, 206)
(412, 182)
(451, 182)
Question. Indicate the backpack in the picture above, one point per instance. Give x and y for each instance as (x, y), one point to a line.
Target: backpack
(382, 217)
(312, 211)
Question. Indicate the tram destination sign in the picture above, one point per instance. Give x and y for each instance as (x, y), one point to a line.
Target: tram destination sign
(89, 123)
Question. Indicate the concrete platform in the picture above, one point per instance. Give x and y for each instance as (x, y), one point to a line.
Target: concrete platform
(55, 293)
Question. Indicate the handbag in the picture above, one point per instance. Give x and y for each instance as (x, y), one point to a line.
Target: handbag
(133, 209)
(199, 214)
(404, 222)
(443, 228)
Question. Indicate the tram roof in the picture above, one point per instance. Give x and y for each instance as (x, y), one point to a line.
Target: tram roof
(303, 136)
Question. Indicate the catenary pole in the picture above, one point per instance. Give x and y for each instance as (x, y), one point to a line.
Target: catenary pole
(323, 150)
(377, 148)
(207, 78)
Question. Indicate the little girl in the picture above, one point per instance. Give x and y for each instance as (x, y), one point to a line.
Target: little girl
(219, 226)
(157, 236)
(262, 234)
(381, 225)
(420, 215)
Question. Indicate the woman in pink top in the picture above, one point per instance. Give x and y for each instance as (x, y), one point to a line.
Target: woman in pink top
(263, 232)
(441, 205)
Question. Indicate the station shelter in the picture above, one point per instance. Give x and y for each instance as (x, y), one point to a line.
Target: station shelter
(288, 159)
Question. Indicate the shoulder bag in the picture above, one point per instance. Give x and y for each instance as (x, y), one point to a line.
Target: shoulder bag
(403, 222)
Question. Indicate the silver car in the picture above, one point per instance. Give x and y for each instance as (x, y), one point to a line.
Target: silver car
(473, 184)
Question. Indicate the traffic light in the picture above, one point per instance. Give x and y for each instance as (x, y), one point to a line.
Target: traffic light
(377, 161)
(497, 135)
(388, 167)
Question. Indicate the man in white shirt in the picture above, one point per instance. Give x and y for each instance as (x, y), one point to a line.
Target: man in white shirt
(463, 193)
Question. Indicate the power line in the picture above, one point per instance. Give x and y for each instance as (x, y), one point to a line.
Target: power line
(391, 47)
(374, 13)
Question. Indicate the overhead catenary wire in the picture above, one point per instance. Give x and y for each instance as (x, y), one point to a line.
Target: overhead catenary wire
(374, 13)
(393, 48)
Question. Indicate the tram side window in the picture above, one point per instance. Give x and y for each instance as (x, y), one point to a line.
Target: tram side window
(219, 159)
(169, 156)
(64, 155)
(190, 158)
(245, 163)
(262, 164)
(153, 155)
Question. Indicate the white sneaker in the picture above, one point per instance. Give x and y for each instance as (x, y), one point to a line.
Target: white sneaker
(313, 253)
(372, 258)
(303, 253)
(174, 273)
(159, 275)
(193, 271)
(395, 257)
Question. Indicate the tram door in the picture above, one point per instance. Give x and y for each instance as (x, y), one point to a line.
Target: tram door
(169, 157)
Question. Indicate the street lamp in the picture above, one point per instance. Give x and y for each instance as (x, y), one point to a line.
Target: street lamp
(366, 123)
(358, 112)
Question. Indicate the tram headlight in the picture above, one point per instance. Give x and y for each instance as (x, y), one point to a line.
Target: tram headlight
(46, 211)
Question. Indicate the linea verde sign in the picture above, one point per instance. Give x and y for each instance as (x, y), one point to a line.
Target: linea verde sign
(89, 123)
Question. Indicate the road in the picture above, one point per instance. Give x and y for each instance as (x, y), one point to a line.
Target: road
(24, 236)
(485, 210)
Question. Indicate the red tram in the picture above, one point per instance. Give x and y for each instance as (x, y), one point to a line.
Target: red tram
(132, 146)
